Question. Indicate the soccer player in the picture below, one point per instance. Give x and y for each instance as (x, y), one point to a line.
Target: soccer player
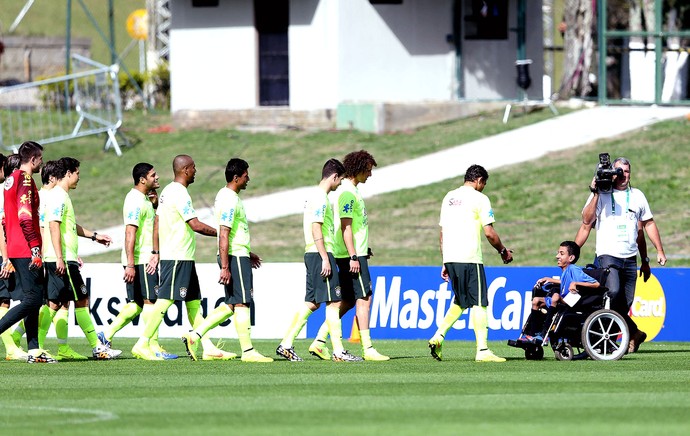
(236, 262)
(176, 223)
(24, 247)
(139, 255)
(64, 281)
(466, 213)
(7, 282)
(322, 273)
(48, 179)
(352, 253)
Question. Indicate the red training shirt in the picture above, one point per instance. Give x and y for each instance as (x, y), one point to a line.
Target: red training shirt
(21, 214)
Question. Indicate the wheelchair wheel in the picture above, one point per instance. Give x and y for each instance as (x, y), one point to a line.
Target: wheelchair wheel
(535, 353)
(564, 352)
(605, 335)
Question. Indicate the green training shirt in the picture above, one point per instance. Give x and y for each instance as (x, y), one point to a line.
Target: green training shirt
(138, 211)
(317, 209)
(176, 238)
(229, 212)
(350, 204)
(59, 208)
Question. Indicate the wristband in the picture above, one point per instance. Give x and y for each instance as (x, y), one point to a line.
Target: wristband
(592, 190)
(155, 252)
(93, 237)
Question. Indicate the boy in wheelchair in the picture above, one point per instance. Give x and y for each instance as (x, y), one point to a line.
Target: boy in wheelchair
(555, 290)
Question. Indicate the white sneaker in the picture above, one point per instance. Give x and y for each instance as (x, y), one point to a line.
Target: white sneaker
(102, 352)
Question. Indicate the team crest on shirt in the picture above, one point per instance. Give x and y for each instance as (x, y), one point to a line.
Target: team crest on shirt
(83, 289)
(337, 292)
(183, 292)
(9, 182)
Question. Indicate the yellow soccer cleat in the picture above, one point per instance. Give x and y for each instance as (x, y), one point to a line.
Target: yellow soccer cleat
(145, 353)
(254, 356)
(372, 355)
(488, 356)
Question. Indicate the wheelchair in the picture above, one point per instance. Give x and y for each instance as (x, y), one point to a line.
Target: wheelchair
(587, 329)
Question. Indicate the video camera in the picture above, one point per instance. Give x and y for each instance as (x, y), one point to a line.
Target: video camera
(603, 178)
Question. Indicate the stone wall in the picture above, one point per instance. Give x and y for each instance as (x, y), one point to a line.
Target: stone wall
(28, 58)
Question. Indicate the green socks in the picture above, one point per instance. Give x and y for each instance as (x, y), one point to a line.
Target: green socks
(244, 327)
(453, 314)
(298, 322)
(84, 320)
(334, 325)
(217, 316)
(157, 312)
(480, 319)
(127, 314)
(7, 334)
(45, 318)
(61, 319)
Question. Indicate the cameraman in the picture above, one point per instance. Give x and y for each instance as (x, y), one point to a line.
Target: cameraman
(618, 217)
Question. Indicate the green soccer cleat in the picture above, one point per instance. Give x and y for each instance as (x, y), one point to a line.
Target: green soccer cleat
(218, 355)
(488, 356)
(65, 352)
(191, 344)
(436, 348)
(372, 355)
(320, 350)
(143, 352)
(254, 356)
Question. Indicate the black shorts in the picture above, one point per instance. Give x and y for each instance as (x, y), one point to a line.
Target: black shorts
(241, 287)
(179, 281)
(144, 286)
(9, 289)
(68, 287)
(321, 289)
(354, 286)
(27, 281)
(469, 284)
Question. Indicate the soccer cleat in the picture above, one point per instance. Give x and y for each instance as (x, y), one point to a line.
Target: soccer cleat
(372, 355)
(17, 354)
(218, 355)
(320, 350)
(488, 356)
(65, 352)
(191, 344)
(436, 348)
(160, 352)
(254, 356)
(103, 340)
(288, 354)
(144, 352)
(39, 356)
(102, 352)
(345, 356)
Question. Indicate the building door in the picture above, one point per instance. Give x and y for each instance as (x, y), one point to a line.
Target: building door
(271, 18)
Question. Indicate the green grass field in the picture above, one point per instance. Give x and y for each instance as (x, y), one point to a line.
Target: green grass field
(642, 394)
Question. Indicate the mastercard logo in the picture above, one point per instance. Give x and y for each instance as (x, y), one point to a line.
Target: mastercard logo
(649, 307)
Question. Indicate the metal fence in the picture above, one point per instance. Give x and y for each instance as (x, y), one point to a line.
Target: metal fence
(84, 103)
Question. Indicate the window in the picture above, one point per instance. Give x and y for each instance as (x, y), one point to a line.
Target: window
(486, 19)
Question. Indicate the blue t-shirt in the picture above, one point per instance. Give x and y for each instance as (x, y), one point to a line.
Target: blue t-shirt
(573, 273)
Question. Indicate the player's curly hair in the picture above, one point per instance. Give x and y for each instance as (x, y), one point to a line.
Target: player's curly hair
(358, 162)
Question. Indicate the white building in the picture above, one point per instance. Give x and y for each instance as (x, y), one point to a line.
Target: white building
(310, 59)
